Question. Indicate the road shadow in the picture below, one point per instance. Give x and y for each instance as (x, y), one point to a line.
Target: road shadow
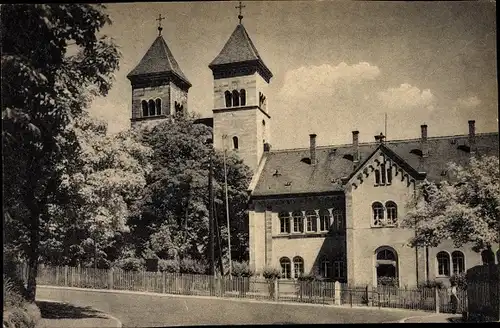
(54, 310)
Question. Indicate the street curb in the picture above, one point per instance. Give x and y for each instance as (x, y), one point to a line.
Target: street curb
(118, 323)
(116, 291)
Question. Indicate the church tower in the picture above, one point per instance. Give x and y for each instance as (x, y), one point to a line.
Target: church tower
(159, 87)
(241, 120)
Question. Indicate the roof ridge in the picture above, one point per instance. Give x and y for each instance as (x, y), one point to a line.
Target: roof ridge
(371, 143)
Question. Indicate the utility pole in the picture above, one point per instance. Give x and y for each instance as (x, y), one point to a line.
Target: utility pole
(227, 211)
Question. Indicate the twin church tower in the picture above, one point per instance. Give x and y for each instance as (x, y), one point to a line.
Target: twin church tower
(241, 119)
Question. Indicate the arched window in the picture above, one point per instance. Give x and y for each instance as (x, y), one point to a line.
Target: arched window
(145, 111)
(386, 265)
(158, 106)
(284, 222)
(298, 222)
(338, 220)
(243, 97)
(151, 105)
(377, 177)
(324, 220)
(311, 221)
(236, 98)
(392, 212)
(229, 98)
(389, 175)
(383, 171)
(325, 268)
(443, 261)
(378, 213)
(285, 267)
(235, 142)
(458, 260)
(298, 266)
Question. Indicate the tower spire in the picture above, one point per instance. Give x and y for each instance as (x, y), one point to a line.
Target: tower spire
(159, 19)
(240, 16)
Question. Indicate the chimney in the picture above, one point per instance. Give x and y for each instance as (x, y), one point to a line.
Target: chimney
(424, 146)
(472, 136)
(355, 146)
(312, 148)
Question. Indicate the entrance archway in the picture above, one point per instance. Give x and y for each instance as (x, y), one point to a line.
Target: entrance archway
(386, 266)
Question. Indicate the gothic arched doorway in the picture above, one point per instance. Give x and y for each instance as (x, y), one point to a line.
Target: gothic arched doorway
(386, 266)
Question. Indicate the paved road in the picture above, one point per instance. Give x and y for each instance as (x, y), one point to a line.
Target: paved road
(139, 310)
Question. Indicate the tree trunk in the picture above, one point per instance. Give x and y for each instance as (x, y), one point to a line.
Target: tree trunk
(34, 233)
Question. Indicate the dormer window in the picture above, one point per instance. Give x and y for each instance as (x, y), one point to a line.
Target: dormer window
(377, 177)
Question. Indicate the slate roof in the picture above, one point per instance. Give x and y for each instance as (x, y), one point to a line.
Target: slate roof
(284, 173)
(239, 49)
(158, 59)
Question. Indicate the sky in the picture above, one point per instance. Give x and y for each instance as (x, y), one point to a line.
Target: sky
(338, 66)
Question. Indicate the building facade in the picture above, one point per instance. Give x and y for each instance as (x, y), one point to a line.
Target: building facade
(333, 211)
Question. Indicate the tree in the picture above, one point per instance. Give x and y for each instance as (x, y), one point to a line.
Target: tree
(43, 87)
(171, 219)
(465, 209)
(99, 183)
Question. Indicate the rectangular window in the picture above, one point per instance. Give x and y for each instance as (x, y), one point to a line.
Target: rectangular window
(311, 223)
(377, 177)
(324, 222)
(298, 224)
(338, 219)
(382, 169)
(338, 269)
(284, 225)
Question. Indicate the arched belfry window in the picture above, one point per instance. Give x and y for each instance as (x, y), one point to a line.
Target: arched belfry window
(243, 97)
(236, 98)
(145, 110)
(235, 143)
(151, 105)
(158, 106)
(229, 98)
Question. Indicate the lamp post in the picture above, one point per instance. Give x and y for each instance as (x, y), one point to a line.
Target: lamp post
(227, 210)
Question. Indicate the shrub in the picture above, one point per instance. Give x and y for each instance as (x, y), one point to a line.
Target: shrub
(387, 281)
(271, 273)
(191, 266)
(241, 269)
(17, 312)
(130, 264)
(460, 280)
(433, 284)
(170, 266)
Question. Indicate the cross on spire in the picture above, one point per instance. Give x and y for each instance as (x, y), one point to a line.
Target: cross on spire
(240, 16)
(159, 19)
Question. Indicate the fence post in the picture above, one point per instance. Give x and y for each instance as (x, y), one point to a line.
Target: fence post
(367, 296)
(57, 276)
(110, 278)
(350, 296)
(163, 282)
(66, 276)
(436, 296)
(276, 289)
(337, 293)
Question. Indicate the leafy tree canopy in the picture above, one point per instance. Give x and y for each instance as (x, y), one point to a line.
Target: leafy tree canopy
(171, 219)
(465, 210)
